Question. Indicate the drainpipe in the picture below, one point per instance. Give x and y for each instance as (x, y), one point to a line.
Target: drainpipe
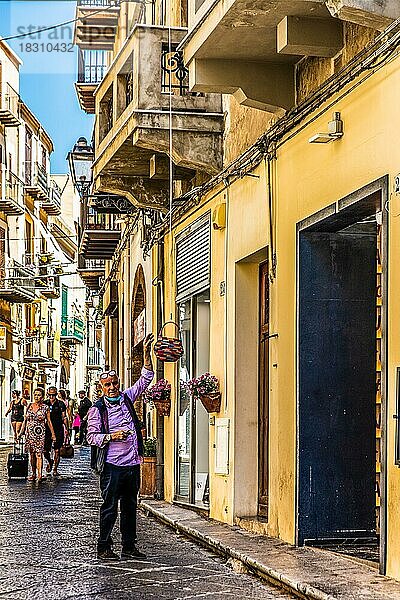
(160, 374)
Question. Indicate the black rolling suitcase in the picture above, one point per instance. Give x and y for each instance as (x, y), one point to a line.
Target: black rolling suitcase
(17, 462)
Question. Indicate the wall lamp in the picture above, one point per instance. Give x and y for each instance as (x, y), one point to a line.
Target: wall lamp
(335, 131)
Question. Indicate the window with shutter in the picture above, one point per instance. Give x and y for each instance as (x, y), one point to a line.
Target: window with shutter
(193, 258)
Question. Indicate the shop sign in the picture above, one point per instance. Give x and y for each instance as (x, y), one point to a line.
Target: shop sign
(28, 373)
(139, 328)
(3, 338)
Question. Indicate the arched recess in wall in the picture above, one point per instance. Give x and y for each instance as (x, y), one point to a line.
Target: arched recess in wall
(138, 320)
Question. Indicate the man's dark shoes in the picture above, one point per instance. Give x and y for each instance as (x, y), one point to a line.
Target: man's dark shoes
(132, 554)
(107, 554)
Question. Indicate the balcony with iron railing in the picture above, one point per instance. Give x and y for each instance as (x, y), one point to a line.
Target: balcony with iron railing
(72, 330)
(39, 348)
(91, 271)
(52, 203)
(96, 24)
(92, 66)
(101, 234)
(133, 120)
(94, 358)
(11, 193)
(48, 285)
(9, 106)
(36, 181)
(32, 347)
(17, 282)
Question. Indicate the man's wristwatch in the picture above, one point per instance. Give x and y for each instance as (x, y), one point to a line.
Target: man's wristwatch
(107, 438)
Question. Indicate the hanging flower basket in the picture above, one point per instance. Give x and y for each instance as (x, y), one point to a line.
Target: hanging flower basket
(211, 401)
(160, 396)
(206, 389)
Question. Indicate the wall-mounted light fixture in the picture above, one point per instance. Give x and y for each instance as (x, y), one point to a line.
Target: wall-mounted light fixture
(335, 131)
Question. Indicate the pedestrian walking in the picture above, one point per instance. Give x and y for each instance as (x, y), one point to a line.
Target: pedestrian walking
(83, 409)
(63, 396)
(117, 450)
(72, 410)
(17, 410)
(76, 423)
(58, 418)
(34, 428)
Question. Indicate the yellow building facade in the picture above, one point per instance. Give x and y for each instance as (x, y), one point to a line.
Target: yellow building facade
(274, 251)
(322, 217)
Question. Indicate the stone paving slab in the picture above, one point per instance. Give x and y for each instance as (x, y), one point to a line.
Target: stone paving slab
(48, 549)
(309, 572)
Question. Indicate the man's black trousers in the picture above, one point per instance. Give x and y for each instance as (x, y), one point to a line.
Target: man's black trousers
(118, 483)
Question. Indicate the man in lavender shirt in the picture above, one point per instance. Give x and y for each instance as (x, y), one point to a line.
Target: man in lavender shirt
(114, 429)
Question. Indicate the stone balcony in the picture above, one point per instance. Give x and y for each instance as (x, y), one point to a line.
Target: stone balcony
(92, 272)
(249, 48)
(36, 181)
(9, 106)
(143, 95)
(52, 203)
(11, 193)
(92, 66)
(100, 235)
(96, 24)
(17, 282)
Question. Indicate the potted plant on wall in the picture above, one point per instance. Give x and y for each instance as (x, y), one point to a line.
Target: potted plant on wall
(159, 395)
(206, 389)
(148, 468)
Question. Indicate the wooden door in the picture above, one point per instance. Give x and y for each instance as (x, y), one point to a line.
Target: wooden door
(263, 407)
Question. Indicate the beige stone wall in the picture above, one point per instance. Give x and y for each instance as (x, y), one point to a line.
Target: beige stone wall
(177, 11)
(312, 72)
(243, 126)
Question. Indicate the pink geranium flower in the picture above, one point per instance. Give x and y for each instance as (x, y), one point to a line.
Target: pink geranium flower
(203, 385)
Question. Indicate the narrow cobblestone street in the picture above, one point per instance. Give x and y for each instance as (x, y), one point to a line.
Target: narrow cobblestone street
(48, 549)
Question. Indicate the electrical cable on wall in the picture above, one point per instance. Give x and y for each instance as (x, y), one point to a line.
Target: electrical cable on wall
(171, 166)
(58, 25)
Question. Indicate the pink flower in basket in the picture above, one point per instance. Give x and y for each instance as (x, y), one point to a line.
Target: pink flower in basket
(203, 385)
(159, 392)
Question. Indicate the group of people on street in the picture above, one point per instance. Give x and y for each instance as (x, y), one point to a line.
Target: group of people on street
(47, 425)
(111, 427)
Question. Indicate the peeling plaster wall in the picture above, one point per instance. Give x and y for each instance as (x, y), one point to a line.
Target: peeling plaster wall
(243, 125)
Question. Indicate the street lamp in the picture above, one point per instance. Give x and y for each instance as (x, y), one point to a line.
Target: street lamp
(80, 161)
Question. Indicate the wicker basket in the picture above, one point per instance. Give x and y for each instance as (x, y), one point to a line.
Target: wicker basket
(211, 401)
(168, 349)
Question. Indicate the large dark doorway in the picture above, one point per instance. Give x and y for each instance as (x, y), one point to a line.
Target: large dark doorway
(337, 374)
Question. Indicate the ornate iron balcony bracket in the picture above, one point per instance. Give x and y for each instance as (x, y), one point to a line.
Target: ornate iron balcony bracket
(112, 204)
(173, 67)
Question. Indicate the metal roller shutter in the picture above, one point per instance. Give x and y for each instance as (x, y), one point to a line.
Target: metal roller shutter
(193, 253)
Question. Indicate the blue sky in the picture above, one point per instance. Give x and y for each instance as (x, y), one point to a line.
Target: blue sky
(48, 72)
